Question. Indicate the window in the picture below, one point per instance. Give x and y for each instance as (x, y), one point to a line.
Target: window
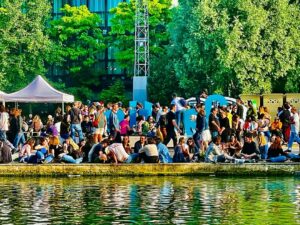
(113, 68)
(111, 53)
(58, 4)
(113, 3)
(96, 5)
(78, 2)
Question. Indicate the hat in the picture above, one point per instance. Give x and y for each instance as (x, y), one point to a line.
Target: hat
(50, 117)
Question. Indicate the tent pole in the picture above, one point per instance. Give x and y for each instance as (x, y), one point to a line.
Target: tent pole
(63, 108)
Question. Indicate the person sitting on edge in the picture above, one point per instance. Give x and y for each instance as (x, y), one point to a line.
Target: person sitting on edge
(149, 152)
(126, 144)
(250, 149)
(69, 153)
(163, 152)
(181, 152)
(140, 144)
(275, 152)
(234, 146)
(117, 154)
(214, 153)
(97, 150)
(86, 125)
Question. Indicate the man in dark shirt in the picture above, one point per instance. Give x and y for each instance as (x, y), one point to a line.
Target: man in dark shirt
(249, 150)
(213, 122)
(140, 144)
(171, 125)
(75, 119)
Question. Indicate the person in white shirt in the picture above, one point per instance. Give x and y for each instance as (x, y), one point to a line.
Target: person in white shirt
(4, 123)
(294, 136)
(149, 153)
(118, 154)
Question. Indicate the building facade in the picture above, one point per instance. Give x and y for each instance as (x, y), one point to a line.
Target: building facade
(106, 65)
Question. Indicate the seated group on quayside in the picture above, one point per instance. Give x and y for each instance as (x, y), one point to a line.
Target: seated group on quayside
(87, 134)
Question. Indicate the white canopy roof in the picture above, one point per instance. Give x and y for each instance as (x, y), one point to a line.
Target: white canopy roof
(38, 91)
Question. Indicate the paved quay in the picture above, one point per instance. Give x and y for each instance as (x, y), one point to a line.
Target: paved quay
(172, 169)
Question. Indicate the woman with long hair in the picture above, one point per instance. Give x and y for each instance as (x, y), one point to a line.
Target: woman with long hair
(27, 150)
(126, 144)
(37, 125)
(275, 152)
(181, 152)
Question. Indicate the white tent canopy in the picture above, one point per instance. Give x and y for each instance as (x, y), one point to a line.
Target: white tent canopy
(38, 91)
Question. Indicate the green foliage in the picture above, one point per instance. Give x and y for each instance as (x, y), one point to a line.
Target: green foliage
(162, 82)
(235, 45)
(77, 41)
(114, 93)
(122, 30)
(78, 37)
(24, 46)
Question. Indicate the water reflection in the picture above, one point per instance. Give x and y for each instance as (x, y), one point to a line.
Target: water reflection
(158, 200)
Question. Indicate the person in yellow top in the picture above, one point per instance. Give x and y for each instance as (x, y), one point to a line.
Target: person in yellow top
(276, 127)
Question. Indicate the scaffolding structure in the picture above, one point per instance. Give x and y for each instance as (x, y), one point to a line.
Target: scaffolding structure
(141, 51)
(141, 61)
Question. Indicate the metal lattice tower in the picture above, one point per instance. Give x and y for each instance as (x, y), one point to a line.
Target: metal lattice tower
(141, 60)
(141, 51)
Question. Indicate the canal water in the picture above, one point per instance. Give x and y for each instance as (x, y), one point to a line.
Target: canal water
(150, 200)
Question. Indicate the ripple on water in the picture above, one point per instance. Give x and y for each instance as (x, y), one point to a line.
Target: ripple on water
(158, 200)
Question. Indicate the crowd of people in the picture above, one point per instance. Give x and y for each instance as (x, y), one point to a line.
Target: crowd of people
(85, 134)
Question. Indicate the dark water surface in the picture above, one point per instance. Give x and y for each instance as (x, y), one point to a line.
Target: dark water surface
(150, 200)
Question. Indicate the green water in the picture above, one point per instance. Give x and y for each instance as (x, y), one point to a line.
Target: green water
(150, 200)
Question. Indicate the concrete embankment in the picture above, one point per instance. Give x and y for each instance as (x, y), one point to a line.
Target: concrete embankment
(184, 169)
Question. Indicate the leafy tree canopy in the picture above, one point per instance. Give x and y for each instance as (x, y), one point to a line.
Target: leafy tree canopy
(114, 93)
(78, 42)
(235, 45)
(24, 45)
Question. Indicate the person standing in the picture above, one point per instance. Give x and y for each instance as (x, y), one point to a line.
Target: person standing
(4, 122)
(99, 123)
(16, 128)
(239, 108)
(171, 125)
(75, 118)
(284, 117)
(213, 122)
(180, 107)
(114, 125)
(294, 135)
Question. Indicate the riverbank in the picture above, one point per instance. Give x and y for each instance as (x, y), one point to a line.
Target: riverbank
(180, 169)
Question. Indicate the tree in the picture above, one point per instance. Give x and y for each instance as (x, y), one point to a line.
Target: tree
(115, 93)
(24, 44)
(121, 35)
(235, 46)
(161, 85)
(78, 41)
